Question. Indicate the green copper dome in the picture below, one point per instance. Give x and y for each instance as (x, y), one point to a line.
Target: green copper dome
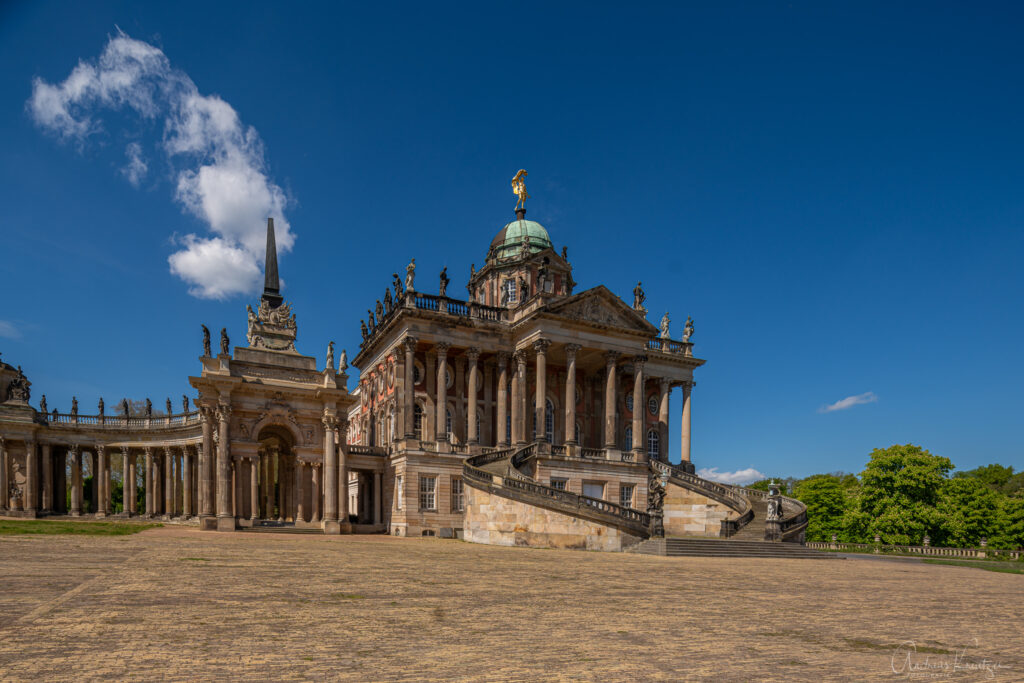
(509, 239)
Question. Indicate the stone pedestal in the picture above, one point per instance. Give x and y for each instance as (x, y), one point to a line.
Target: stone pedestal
(225, 524)
(332, 527)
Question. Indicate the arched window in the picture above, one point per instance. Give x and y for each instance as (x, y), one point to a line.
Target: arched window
(653, 444)
(629, 439)
(578, 434)
(417, 421)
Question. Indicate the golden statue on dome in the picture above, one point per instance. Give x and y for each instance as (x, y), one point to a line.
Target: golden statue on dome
(519, 189)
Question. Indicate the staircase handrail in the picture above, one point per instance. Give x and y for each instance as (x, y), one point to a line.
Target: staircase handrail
(727, 495)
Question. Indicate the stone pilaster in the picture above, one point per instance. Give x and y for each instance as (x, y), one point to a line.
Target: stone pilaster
(441, 419)
(473, 356)
(377, 499)
(206, 457)
(409, 390)
(225, 519)
(518, 397)
(570, 392)
(684, 430)
(541, 396)
(611, 359)
(331, 523)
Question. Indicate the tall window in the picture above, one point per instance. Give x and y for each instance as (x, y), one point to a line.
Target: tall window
(593, 489)
(479, 421)
(549, 421)
(558, 484)
(448, 424)
(509, 291)
(417, 420)
(626, 495)
(653, 444)
(629, 439)
(578, 434)
(399, 492)
(508, 428)
(458, 499)
(428, 493)
(629, 402)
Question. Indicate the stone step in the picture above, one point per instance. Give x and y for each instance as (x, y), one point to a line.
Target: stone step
(699, 547)
(268, 529)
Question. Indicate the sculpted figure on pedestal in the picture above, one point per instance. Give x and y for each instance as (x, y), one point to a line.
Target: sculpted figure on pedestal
(688, 329)
(206, 341)
(362, 328)
(184, 403)
(42, 405)
(343, 361)
(397, 285)
(664, 326)
(100, 406)
(388, 305)
(330, 355)
(74, 405)
(519, 188)
(639, 297)
(169, 409)
(443, 288)
(373, 322)
(524, 289)
(18, 389)
(225, 343)
(410, 274)
(124, 407)
(149, 408)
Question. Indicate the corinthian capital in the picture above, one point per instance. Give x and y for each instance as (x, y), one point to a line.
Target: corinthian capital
(473, 354)
(541, 346)
(410, 343)
(571, 350)
(612, 357)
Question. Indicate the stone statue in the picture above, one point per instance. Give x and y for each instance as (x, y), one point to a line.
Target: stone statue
(373, 321)
(225, 343)
(688, 329)
(149, 408)
(397, 285)
(100, 406)
(504, 295)
(524, 246)
(638, 297)
(773, 510)
(380, 312)
(206, 342)
(472, 271)
(444, 281)
(519, 189)
(18, 389)
(655, 492)
(125, 408)
(388, 305)
(168, 405)
(664, 326)
(184, 403)
(524, 289)
(250, 331)
(54, 413)
(74, 405)
(410, 275)
(330, 355)
(542, 277)
(362, 328)
(42, 405)
(343, 361)
(565, 253)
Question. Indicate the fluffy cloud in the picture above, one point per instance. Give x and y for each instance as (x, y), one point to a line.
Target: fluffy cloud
(747, 476)
(8, 330)
(849, 402)
(220, 169)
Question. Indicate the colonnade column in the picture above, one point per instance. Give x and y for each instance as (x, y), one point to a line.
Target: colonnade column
(129, 482)
(502, 411)
(280, 487)
(342, 479)
(409, 397)
(570, 392)
(168, 481)
(473, 355)
(150, 504)
(108, 500)
(315, 476)
(225, 520)
(541, 396)
(300, 491)
(76, 481)
(639, 406)
(186, 478)
(100, 475)
(518, 399)
(330, 475)
(254, 487)
(47, 478)
(441, 423)
(4, 486)
(684, 432)
(611, 358)
(665, 387)
(206, 509)
(377, 502)
(29, 502)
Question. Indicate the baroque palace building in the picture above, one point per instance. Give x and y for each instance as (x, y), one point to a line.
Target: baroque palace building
(527, 414)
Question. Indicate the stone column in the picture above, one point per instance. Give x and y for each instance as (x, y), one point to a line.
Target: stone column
(441, 423)
(100, 475)
(458, 389)
(76, 481)
(377, 501)
(130, 479)
(331, 525)
(519, 399)
(502, 408)
(30, 500)
(225, 520)
(186, 488)
(684, 432)
(472, 356)
(150, 500)
(315, 497)
(108, 500)
(611, 358)
(639, 406)
(300, 490)
(46, 468)
(409, 395)
(665, 387)
(343, 510)
(541, 397)
(5, 488)
(168, 481)
(254, 487)
(570, 392)
(206, 486)
(280, 488)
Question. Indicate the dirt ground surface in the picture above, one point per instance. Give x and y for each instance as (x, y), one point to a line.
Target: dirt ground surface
(180, 604)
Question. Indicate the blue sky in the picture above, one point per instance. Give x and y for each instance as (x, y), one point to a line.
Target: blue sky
(832, 192)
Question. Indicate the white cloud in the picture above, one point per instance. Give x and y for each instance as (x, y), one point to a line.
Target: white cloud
(8, 330)
(747, 476)
(136, 168)
(849, 402)
(221, 176)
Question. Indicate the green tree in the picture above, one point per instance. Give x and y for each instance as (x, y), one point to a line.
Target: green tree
(900, 489)
(825, 499)
(970, 511)
(1009, 531)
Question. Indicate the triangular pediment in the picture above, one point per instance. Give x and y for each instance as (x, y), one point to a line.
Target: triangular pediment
(601, 307)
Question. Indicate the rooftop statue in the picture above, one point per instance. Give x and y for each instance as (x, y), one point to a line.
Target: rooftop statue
(639, 297)
(380, 311)
(149, 408)
(362, 328)
(519, 189)
(124, 407)
(388, 305)
(444, 281)
(206, 342)
(664, 326)
(170, 410)
(688, 329)
(410, 275)
(184, 403)
(330, 355)
(225, 343)
(398, 285)
(101, 406)
(373, 322)
(74, 405)
(18, 389)
(343, 361)
(42, 405)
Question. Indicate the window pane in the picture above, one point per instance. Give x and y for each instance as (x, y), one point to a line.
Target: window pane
(593, 490)
(626, 495)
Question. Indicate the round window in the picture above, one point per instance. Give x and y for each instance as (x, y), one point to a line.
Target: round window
(652, 405)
